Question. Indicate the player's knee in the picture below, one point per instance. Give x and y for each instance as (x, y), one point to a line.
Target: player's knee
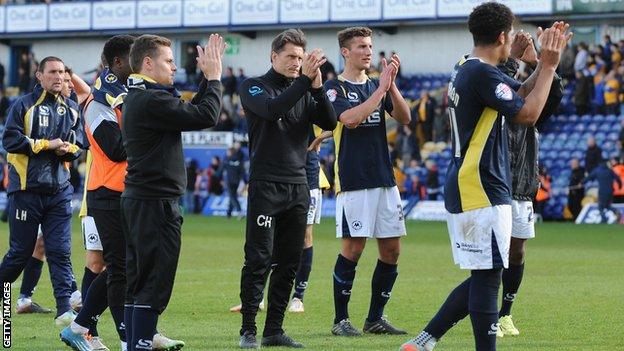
(95, 262)
(390, 255)
(353, 252)
(516, 256)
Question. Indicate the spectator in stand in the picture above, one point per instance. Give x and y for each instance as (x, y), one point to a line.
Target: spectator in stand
(605, 178)
(441, 127)
(618, 169)
(576, 189)
(240, 78)
(399, 176)
(189, 196)
(4, 106)
(433, 181)
(201, 193)
(407, 144)
(234, 167)
(611, 93)
(580, 62)
(566, 66)
(426, 108)
(382, 57)
(413, 187)
(215, 178)
(24, 73)
(392, 150)
(543, 192)
(593, 155)
(191, 64)
(413, 169)
(583, 92)
(229, 90)
(599, 96)
(224, 124)
(399, 76)
(606, 51)
(327, 69)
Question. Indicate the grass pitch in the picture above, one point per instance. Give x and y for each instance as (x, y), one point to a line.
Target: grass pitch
(572, 296)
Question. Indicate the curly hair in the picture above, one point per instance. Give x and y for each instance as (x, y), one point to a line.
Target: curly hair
(488, 20)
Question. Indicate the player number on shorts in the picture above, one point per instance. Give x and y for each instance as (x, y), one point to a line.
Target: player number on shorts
(453, 118)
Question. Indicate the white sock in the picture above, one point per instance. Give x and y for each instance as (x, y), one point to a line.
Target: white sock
(78, 329)
(124, 346)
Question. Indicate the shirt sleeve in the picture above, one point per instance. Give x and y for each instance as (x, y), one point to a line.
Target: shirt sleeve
(497, 90)
(255, 98)
(336, 95)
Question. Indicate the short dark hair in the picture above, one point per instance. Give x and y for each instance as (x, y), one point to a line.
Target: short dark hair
(345, 35)
(488, 20)
(117, 46)
(146, 45)
(292, 36)
(47, 59)
(69, 70)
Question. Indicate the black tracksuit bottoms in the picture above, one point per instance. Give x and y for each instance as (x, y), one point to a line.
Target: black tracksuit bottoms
(276, 223)
(152, 229)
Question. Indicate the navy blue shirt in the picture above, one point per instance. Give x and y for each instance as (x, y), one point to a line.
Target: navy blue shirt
(480, 98)
(362, 157)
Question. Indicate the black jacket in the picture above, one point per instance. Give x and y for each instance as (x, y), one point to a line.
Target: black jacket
(153, 119)
(279, 112)
(524, 141)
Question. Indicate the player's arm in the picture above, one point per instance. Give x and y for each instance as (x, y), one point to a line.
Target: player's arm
(400, 108)
(553, 43)
(15, 141)
(321, 110)
(319, 139)
(255, 98)
(81, 87)
(352, 117)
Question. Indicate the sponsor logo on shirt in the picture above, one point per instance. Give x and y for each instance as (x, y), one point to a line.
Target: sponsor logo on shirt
(503, 92)
(353, 96)
(255, 90)
(44, 110)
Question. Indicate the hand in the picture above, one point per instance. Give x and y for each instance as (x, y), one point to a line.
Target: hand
(209, 57)
(315, 145)
(519, 44)
(396, 61)
(553, 41)
(317, 83)
(63, 149)
(312, 63)
(529, 56)
(387, 75)
(55, 144)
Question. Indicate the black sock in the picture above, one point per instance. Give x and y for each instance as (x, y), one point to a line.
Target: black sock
(118, 316)
(87, 279)
(344, 273)
(303, 273)
(512, 277)
(144, 322)
(381, 288)
(454, 309)
(74, 285)
(30, 277)
(94, 305)
(128, 314)
(483, 307)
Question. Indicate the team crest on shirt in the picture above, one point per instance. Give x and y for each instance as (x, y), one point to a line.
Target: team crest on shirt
(357, 225)
(332, 94)
(503, 92)
(111, 78)
(61, 110)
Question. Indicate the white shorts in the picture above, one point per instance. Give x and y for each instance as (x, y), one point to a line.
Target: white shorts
(370, 213)
(480, 238)
(90, 234)
(523, 226)
(316, 203)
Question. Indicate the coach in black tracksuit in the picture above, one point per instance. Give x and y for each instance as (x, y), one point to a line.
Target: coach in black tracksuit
(153, 119)
(279, 106)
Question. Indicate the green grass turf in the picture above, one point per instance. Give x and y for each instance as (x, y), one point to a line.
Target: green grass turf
(572, 296)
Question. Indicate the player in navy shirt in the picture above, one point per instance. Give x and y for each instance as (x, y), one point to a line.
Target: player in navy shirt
(368, 204)
(478, 188)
